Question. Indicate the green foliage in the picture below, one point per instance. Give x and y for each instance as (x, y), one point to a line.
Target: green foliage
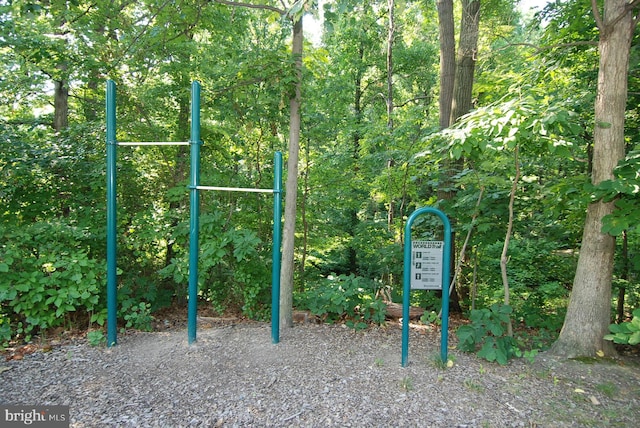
(430, 317)
(5, 331)
(529, 355)
(233, 269)
(96, 337)
(345, 297)
(625, 189)
(486, 335)
(626, 333)
(136, 315)
(362, 177)
(48, 274)
(540, 277)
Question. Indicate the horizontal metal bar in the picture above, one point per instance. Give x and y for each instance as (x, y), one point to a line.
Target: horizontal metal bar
(155, 143)
(235, 189)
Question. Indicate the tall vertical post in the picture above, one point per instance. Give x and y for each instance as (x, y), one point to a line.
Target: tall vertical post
(444, 332)
(276, 255)
(194, 199)
(112, 286)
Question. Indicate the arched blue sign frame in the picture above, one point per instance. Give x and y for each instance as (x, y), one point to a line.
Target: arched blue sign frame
(444, 333)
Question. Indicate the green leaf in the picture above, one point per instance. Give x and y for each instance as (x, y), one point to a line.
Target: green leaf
(614, 225)
(616, 328)
(496, 329)
(634, 339)
(488, 351)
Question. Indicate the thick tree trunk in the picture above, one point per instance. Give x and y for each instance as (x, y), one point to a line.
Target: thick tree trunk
(456, 84)
(446, 31)
(447, 59)
(60, 105)
(291, 188)
(589, 311)
(466, 61)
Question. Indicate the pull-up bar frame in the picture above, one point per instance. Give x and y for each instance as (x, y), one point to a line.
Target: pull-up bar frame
(194, 201)
(154, 143)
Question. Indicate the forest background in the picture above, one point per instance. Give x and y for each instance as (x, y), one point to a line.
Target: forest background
(372, 149)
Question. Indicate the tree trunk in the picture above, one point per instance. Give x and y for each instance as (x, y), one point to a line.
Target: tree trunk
(60, 105)
(466, 60)
(390, 161)
(447, 59)
(390, 36)
(507, 238)
(291, 188)
(60, 83)
(456, 83)
(589, 312)
(352, 254)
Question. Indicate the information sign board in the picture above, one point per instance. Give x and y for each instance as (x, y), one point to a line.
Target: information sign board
(426, 265)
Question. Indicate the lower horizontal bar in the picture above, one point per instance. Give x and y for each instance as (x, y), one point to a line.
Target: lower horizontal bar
(235, 189)
(155, 143)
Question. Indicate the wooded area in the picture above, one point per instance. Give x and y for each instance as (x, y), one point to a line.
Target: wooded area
(524, 128)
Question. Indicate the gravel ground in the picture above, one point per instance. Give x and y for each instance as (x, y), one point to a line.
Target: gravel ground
(317, 376)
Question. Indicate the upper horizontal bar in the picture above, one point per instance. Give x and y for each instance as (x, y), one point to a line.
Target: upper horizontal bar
(235, 189)
(155, 143)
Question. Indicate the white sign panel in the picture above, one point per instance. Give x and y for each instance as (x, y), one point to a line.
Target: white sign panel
(426, 265)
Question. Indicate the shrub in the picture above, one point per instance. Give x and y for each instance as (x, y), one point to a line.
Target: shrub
(486, 335)
(626, 333)
(346, 297)
(233, 268)
(47, 274)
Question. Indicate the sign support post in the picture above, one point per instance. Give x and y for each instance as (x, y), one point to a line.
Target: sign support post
(446, 257)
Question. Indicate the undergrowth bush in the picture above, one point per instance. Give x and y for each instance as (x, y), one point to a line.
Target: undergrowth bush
(487, 334)
(626, 333)
(47, 274)
(540, 278)
(234, 268)
(344, 297)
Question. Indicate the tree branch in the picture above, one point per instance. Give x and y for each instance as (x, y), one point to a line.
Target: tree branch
(252, 6)
(604, 27)
(420, 97)
(597, 16)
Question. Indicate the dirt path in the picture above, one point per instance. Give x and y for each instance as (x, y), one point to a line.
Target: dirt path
(317, 376)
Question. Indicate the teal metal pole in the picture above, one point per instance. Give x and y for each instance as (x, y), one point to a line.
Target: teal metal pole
(446, 277)
(406, 290)
(276, 255)
(194, 199)
(112, 286)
